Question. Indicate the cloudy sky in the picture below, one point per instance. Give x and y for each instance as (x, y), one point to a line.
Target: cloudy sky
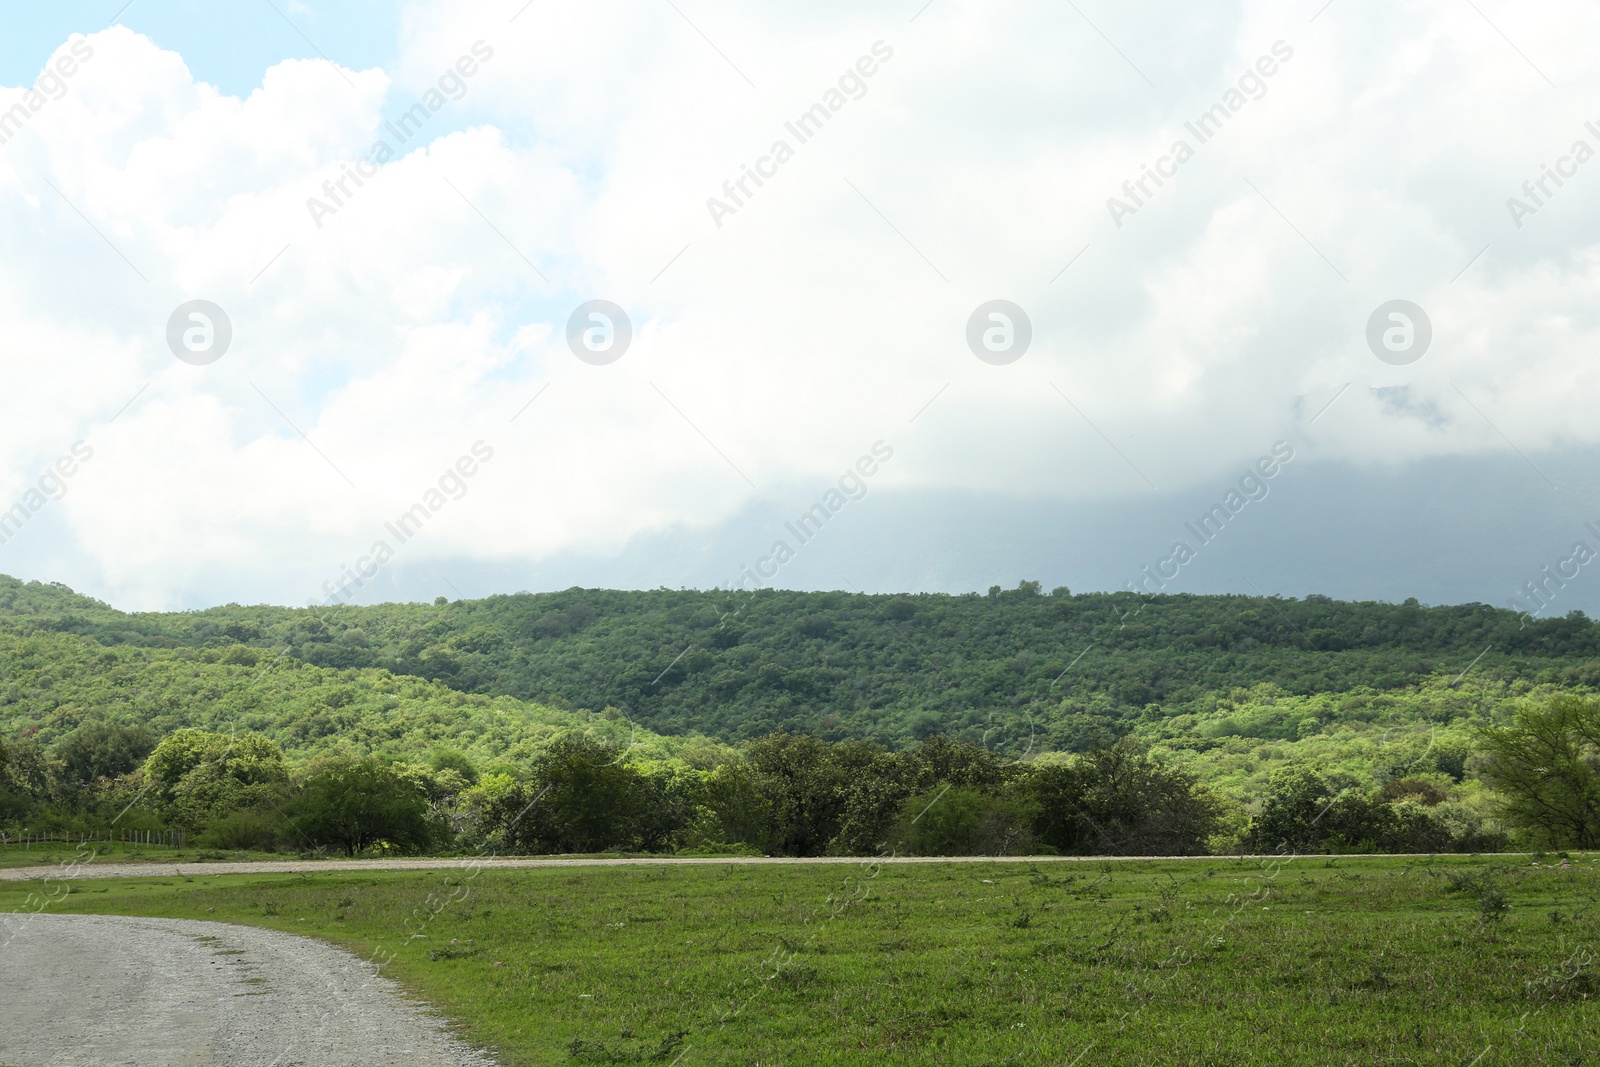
(1360, 235)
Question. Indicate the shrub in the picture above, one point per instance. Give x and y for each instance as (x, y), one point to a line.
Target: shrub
(241, 831)
(99, 749)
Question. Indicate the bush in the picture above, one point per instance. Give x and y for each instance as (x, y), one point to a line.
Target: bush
(1302, 812)
(198, 777)
(242, 831)
(581, 797)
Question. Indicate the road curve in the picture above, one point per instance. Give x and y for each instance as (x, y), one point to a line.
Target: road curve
(100, 990)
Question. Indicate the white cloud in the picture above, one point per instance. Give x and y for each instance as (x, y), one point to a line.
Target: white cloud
(415, 321)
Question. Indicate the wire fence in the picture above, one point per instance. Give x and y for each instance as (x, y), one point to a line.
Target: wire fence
(26, 841)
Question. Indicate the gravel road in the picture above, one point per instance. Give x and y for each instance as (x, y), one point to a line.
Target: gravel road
(96, 991)
(72, 872)
(99, 868)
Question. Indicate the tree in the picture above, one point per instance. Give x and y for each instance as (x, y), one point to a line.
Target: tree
(880, 787)
(249, 759)
(1296, 802)
(354, 803)
(441, 759)
(808, 783)
(741, 807)
(1118, 801)
(200, 777)
(1303, 812)
(1546, 766)
(99, 749)
(585, 800)
(961, 821)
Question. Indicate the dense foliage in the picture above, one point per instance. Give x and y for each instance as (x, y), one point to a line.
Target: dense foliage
(1007, 669)
(1546, 764)
(53, 685)
(933, 725)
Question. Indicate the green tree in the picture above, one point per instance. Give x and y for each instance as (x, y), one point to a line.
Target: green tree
(99, 749)
(881, 784)
(738, 802)
(356, 802)
(962, 821)
(1290, 819)
(1546, 766)
(249, 759)
(200, 777)
(808, 784)
(585, 799)
(443, 759)
(1118, 801)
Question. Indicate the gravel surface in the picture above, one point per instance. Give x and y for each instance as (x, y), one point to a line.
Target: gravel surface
(70, 871)
(101, 868)
(93, 991)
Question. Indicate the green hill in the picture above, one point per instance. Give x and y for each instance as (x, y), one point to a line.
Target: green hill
(52, 682)
(1014, 669)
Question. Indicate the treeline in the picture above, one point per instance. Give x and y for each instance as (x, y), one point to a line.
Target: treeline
(793, 795)
(1004, 669)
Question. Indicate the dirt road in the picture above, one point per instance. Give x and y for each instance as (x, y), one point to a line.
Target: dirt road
(91, 868)
(98, 990)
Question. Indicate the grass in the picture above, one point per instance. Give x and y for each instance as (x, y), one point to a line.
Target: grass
(56, 853)
(1449, 961)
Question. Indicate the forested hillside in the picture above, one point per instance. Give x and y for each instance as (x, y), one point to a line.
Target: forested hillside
(602, 719)
(50, 684)
(1012, 669)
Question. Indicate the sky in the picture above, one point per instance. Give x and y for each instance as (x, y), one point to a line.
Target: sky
(310, 302)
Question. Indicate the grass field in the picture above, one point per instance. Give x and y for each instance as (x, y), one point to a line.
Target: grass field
(57, 853)
(1450, 961)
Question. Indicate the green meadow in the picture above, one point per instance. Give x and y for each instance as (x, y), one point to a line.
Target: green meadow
(1302, 960)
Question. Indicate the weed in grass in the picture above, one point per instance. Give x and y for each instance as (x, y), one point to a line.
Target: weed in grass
(796, 976)
(1493, 903)
(584, 1050)
(453, 952)
(1573, 978)
(1377, 981)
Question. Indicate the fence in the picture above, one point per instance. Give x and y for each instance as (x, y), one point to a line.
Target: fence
(26, 841)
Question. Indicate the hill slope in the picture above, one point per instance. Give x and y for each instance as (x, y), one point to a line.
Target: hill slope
(1011, 669)
(51, 682)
